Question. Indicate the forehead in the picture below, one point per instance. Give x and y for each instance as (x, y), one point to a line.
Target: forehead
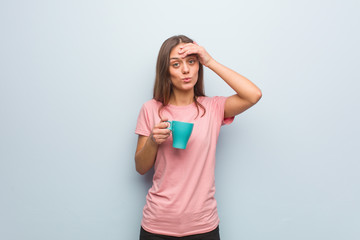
(175, 51)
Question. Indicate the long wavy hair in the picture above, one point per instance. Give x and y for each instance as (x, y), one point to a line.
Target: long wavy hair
(163, 87)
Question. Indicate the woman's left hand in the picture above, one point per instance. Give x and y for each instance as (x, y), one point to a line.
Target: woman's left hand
(193, 48)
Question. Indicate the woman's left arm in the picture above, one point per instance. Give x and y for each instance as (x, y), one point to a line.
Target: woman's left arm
(247, 93)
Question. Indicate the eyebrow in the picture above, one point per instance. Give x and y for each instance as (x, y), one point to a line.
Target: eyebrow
(191, 55)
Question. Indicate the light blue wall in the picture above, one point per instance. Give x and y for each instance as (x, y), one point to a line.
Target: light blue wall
(74, 74)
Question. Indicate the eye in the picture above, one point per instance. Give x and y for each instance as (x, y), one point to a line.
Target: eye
(176, 64)
(192, 61)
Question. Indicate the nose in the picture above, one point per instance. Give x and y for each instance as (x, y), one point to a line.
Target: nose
(185, 68)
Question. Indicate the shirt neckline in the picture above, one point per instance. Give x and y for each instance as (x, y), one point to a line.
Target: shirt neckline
(185, 106)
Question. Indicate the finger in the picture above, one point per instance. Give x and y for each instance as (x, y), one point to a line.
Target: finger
(187, 47)
(161, 131)
(164, 120)
(161, 137)
(189, 52)
(160, 141)
(162, 125)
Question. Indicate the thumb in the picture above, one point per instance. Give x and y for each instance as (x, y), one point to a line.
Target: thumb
(164, 120)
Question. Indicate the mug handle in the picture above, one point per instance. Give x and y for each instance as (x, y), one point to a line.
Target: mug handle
(170, 127)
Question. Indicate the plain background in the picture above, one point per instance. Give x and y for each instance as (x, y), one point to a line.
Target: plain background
(74, 74)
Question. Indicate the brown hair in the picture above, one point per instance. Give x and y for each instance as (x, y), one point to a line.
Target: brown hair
(163, 86)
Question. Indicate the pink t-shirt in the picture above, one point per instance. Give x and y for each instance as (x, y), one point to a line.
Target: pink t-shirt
(181, 200)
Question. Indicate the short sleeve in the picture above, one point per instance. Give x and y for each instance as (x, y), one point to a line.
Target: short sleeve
(220, 108)
(143, 122)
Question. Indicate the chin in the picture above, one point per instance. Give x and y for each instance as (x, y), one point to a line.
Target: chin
(188, 87)
(185, 86)
(185, 89)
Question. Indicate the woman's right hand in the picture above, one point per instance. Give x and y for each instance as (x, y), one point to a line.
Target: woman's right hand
(147, 147)
(160, 132)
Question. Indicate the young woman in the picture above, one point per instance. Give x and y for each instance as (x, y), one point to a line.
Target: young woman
(181, 201)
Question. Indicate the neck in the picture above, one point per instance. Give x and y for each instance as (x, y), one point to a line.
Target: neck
(181, 98)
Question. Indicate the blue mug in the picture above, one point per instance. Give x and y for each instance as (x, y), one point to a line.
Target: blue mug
(181, 132)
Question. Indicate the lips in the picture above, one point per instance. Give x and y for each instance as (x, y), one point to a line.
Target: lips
(186, 79)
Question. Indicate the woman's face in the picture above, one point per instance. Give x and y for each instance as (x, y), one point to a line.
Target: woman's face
(183, 71)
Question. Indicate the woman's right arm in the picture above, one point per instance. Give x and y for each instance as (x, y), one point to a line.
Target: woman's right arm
(147, 147)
